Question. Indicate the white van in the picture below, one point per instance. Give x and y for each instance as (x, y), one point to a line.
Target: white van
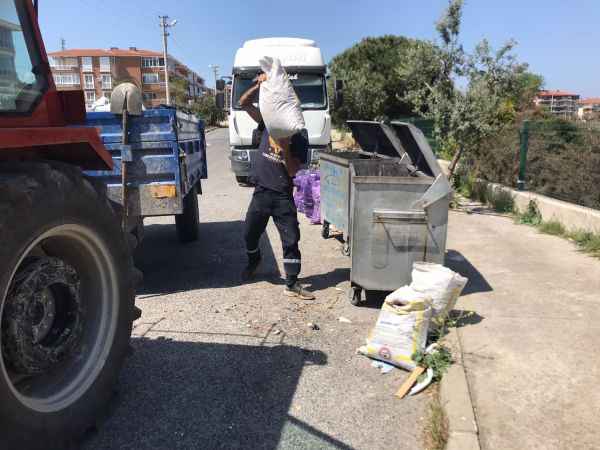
(306, 68)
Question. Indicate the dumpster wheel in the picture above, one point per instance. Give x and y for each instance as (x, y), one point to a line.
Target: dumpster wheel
(355, 295)
(325, 230)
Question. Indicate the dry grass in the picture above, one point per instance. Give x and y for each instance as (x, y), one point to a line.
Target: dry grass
(435, 432)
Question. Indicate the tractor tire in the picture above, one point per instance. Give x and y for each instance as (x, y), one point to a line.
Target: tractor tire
(66, 304)
(188, 222)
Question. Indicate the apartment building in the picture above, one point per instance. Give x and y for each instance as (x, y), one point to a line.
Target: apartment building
(227, 97)
(589, 109)
(97, 71)
(560, 103)
(8, 73)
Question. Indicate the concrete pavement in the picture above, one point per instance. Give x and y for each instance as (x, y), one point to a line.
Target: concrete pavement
(225, 365)
(531, 349)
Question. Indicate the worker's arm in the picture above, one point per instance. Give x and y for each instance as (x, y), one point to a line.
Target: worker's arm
(247, 98)
(292, 164)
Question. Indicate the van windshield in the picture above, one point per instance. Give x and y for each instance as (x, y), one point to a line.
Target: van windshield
(310, 88)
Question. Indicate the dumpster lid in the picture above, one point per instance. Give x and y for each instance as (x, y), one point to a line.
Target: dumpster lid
(415, 143)
(376, 138)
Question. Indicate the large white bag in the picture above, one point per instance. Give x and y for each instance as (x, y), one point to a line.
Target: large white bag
(440, 283)
(401, 328)
(279, 105)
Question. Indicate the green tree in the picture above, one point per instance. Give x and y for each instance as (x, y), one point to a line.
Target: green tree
(179, 89)
(528, 85)
(373, 87)
(469, 97)
(206, 108)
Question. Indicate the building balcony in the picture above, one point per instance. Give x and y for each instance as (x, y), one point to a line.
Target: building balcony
(63, 68)
(68, 85)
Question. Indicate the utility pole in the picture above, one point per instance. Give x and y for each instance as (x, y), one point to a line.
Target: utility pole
(165, 25)
(215, 68)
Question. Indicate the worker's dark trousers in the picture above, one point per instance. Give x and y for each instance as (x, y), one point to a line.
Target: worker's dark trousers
(265, 204)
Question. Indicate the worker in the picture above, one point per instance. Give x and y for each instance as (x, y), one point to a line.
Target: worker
(273, 170)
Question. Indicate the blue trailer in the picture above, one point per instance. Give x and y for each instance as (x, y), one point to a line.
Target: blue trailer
(166, 163)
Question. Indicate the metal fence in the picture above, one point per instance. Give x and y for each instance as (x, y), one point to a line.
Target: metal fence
(557, 158)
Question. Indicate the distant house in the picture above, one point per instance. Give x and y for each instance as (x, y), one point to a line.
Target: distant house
(97, 71)
(589, 109)
(560, 103)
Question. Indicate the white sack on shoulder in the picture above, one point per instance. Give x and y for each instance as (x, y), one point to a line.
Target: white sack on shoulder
(278, 103)
(440, 283)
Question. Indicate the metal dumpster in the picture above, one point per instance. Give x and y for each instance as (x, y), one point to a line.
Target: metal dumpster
(375, 143)
(390, 200)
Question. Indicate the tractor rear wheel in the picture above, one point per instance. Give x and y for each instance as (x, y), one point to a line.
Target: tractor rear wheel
(66, 304)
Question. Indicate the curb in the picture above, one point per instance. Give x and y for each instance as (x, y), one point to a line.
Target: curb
(455, 397)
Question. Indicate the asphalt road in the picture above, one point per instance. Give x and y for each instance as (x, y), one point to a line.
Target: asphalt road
(219, 364)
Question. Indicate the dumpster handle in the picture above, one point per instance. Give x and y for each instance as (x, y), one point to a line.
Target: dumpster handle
(428, 231)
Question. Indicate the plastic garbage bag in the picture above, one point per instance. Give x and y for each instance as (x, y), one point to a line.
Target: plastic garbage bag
(401, 328)
(440, 283)
(279, 105)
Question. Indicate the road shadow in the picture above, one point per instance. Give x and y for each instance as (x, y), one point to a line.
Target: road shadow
(200, 395)
(459, 263)
(326, 280)
(215, 260)
(455, 261)
(462, 318)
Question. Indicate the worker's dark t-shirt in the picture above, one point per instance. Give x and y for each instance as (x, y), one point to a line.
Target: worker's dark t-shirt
(268, 168)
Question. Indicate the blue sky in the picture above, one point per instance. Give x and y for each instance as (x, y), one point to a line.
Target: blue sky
(559, 39)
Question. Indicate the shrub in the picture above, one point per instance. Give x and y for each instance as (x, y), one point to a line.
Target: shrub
(552, 227)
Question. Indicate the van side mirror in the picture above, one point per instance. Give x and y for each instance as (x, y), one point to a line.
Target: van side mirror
(220, 100)
(220, 84)
(338, 93)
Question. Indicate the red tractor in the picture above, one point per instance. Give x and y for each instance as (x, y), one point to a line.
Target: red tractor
(66, 272)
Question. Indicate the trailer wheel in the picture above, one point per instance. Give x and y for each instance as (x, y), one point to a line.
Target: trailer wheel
(188, 223)
(66, 304)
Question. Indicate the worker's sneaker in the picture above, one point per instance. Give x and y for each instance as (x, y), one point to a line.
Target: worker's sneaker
(297, 290)
(250, 270)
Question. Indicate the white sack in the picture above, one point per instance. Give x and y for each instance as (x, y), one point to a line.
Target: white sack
(440, 283)
(278, 103)
(401, 328)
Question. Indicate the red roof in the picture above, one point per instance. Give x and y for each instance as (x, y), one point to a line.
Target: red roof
(590, 101)
(557, 93)
(104, 52)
